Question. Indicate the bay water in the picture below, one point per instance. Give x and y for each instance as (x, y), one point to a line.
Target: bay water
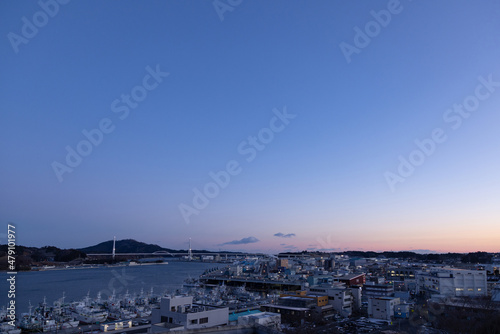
(32, 287)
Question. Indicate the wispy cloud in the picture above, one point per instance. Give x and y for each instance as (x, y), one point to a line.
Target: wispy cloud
(282, 235)
(249, 240)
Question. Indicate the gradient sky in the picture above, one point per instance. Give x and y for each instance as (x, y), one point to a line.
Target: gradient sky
(322, 179)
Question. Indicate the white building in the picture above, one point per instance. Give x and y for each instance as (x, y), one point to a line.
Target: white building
(382, 307)
(339, 297)
(451, 282)
(179, 313)
(235, 270)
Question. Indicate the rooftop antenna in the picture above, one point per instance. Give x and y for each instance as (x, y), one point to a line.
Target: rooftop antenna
(190, 254)
(114, 249)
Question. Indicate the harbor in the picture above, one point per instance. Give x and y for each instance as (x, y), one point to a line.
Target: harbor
(126, 310)
(35, 286)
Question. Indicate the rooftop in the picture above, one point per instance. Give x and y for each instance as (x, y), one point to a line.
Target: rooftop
(234, 316)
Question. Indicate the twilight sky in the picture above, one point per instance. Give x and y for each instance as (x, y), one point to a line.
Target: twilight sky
(252, 125)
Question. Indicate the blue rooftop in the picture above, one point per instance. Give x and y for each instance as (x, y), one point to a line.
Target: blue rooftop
(234, 316)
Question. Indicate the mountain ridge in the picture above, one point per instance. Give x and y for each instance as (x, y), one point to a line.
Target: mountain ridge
(134, 246)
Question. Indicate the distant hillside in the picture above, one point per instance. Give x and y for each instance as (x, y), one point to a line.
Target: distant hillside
(124, 246)
(475, 257)
(26, 257)
(131, 246)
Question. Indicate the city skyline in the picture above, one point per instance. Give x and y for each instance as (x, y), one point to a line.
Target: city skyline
(252, 127)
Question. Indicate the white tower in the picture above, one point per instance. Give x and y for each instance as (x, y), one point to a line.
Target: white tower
(114, 243)
(190, 254)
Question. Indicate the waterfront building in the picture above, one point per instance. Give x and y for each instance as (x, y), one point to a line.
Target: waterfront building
(180, 313)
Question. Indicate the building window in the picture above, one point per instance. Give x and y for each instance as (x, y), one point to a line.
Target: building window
(194, 321)
(203, 320)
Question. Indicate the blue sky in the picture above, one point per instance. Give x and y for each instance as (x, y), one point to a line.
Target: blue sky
(323, 176)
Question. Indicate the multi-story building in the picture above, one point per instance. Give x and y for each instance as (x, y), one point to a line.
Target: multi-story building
(299, 299)
(340, 297)
(180, 312)
(299, 307)
(382, 307)
(352, 279)
(319, 279)
(282, 263)
(377, 290)
(401, 273)
(451, 282)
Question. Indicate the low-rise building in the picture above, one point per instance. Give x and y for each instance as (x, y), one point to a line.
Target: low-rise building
(289, 314)
(402, 311)
(267, 319)
(180, 312)
(382, 307)
(352, 279)
(300, 307)
(289, 299)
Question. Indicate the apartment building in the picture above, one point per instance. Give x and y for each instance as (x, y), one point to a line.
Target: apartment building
(452, 282)
(340, 297)
(382, 307)
(179, 312)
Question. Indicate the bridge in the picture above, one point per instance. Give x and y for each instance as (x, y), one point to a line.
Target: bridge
(163, 253)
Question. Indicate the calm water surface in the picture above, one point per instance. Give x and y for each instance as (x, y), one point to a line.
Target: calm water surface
(76, 283)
